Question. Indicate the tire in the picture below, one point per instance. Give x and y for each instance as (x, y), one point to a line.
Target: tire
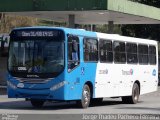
(133, 99)
(37, 103)
(86, 97)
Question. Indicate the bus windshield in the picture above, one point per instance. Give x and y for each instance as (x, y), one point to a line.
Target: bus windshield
(36, 56)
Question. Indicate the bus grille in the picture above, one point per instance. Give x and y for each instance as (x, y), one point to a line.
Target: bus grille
(33, 80)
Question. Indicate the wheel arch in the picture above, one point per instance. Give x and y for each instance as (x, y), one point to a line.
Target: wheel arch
(89, 83)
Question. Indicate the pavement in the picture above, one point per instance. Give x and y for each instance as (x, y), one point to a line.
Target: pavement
(149, 105)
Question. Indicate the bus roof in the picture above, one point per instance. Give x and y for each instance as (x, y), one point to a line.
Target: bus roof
(125, 38)
(82, 32)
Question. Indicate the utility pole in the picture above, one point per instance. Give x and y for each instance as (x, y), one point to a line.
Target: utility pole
(110, 27)
(71, 21)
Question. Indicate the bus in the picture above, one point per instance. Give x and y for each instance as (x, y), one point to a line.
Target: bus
(63, 64)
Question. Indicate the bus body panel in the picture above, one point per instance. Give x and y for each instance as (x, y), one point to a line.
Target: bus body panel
(106, 79)
(83, 73)
(77, 79)
(116, 79)
(63, 87)
(48, 90)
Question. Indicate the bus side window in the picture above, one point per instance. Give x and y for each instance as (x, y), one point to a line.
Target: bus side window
(73, 52)
(105, 52)
(132, 57)
(119, 52)
(152, 55)
(143, 54)
(90, 50)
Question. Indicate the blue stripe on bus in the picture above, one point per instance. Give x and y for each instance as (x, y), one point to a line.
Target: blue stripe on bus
(67, 86)
(83, 73)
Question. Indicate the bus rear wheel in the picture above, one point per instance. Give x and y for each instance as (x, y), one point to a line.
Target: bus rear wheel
(37, 103)
(86, 97)
(133, 99)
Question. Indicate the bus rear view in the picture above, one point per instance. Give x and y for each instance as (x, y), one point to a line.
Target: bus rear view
(35, 64)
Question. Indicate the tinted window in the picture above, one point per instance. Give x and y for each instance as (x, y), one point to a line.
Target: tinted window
(131, 50)
(90, 49)
(73, 52)
(143, 54)
(152, 55)
(105, 52)
(119, 52)
(44, 58)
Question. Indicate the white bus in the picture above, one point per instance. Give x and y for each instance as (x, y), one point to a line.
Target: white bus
(133, 69)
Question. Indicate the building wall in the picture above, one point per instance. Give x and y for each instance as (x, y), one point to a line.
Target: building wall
(3, 71)
(3, 58)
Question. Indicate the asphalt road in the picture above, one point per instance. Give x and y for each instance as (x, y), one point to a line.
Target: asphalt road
(148, 104)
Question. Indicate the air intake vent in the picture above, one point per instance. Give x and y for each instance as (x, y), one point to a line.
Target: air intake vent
(33, 80)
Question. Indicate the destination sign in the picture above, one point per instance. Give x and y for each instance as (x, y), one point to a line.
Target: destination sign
(38, 33)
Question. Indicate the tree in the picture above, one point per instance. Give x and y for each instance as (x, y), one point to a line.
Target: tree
(144, 30)
(8, 22)
(155, 3)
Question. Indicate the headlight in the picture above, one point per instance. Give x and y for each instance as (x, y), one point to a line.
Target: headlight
(57, 86)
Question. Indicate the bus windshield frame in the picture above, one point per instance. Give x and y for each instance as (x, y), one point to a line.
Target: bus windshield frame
(36, 53)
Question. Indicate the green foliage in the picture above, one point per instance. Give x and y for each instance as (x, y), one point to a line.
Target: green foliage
(9, 22)
(104, 29)
(155, 3)
(142, 31)
(145, 30)
(46, 22)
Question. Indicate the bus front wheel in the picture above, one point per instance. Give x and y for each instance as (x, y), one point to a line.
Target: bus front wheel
(37, 103)
(86, 97)
(133, 99)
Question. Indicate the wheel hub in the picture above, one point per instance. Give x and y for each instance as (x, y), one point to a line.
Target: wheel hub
(86, 96)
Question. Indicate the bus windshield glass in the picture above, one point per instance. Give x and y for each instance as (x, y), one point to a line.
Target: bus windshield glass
(36, 56)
